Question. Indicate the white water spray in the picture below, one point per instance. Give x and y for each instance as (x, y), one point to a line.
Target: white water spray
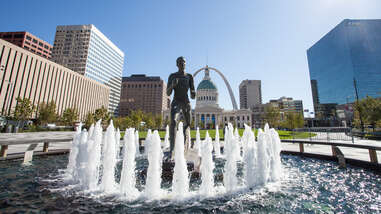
(231, 154)
(127, 178)
(207, 167)
(155, 158)
(109, 160)
(180, 182)
(216, 144)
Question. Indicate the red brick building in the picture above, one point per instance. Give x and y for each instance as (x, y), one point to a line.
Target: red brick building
(29, 42)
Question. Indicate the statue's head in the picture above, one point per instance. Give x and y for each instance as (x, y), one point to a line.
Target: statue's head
(180, 62)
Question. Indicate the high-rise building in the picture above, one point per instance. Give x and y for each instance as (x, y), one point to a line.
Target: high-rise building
(85, 50)
(141, 92)
(250, 93)
(346, 58)
(27, 75)
(29, 42)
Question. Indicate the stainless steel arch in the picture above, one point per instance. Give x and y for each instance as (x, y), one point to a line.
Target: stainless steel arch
(234, 103)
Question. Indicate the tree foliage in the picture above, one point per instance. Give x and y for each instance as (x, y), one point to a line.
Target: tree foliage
(158, 121)
(47, 113)
(137, 118)
(293, 120)
(24, 109)
(70, 115)
(370, 110)
(89, 120)
(272, 116)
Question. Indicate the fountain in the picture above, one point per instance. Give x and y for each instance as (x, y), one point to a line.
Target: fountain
(248, 176)
(92, 162)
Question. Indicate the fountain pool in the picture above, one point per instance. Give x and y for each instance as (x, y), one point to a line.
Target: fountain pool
(61, 183)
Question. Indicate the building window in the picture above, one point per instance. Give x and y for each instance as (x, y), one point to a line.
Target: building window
(35, 41)
(19, 36)
(29, 38)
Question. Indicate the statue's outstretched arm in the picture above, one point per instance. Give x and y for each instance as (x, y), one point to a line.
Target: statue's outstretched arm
(192, 91)
(169, 86)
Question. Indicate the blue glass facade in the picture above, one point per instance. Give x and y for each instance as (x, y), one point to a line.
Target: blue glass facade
(351, 51)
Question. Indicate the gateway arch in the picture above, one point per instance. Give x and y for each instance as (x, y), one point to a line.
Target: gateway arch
(206, 68)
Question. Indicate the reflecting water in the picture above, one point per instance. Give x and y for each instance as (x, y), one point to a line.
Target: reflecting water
(307, 186)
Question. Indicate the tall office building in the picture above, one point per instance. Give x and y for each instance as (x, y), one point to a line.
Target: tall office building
(29, 42)
(250, 93)
(85, 50)
(140, 92)
(348, 55)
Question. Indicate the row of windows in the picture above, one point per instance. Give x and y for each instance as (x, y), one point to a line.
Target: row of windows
(72, 31)
(102, 46)
(100, 50)
(211, 98)
(108, 48)
(36, 52)
(142, 86)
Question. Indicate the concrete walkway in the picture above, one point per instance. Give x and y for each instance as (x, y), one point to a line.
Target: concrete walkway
(15, 137)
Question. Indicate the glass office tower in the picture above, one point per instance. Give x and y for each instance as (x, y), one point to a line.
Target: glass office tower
(85, 50)
(349, 55)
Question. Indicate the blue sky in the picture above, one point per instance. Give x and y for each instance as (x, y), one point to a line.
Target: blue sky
(244, 39)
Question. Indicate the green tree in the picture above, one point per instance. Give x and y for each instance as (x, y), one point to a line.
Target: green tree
(127, 122)
(89, 120)
(47, 113)
(136, 117)
(118, 123)
(272, 115)
(158, 121)
(102, 114)
(370, 111)
(70, 116)
(148, 118)
(293, 120)
(24, 110)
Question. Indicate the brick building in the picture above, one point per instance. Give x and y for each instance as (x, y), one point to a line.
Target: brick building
(29, 42)
(141, 92)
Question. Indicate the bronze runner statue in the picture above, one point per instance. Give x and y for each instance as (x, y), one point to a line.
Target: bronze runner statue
(180, 82)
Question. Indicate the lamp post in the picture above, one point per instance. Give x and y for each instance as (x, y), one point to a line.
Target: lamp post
(357, 101)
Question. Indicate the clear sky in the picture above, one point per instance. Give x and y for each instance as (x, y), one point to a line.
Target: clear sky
(244, 39)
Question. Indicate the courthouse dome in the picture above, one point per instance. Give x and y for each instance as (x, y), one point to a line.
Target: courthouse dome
(206, 94)
(206, 84)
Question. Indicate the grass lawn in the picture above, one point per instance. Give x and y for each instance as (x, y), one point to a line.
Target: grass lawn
(212, 133)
